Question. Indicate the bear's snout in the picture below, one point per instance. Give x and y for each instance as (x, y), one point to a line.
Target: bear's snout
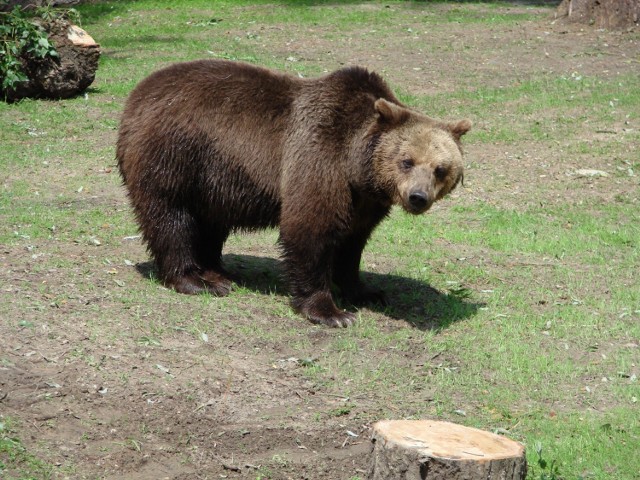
(419, 201)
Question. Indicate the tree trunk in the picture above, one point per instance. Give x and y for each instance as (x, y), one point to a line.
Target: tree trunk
(610, 14)
(430, 450)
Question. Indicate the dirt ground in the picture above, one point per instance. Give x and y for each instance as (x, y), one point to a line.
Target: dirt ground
(98, 406)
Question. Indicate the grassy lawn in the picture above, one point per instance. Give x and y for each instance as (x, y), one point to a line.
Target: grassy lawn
(514, 304)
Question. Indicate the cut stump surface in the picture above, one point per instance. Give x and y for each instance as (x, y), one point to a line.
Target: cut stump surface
(431, 450)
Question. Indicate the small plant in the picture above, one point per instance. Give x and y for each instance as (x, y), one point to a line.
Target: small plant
(263, 473)
(341, 411)
(548, 471)
(20, 36)
(51, 14)
(131, 444)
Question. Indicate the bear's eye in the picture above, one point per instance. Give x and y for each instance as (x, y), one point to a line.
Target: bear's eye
(406, 164)
(441, 172)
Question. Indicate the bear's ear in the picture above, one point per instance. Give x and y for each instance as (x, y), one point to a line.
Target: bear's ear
(460, 128)
(390, 113)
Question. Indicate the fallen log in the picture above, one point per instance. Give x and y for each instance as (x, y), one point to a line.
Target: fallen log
(67, 74)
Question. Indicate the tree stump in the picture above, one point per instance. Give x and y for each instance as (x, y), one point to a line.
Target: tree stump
(612, 14)
(430, 450)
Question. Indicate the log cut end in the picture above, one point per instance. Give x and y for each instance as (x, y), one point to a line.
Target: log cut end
(432, 450)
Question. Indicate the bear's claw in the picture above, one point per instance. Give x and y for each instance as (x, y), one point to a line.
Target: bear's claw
(320, 309)
(342, 320)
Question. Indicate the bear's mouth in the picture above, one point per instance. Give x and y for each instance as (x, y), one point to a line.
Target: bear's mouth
(415, 211)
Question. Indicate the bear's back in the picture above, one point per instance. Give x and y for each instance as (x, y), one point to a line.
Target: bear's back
(219, 99)
(195, 119)
(218, 109)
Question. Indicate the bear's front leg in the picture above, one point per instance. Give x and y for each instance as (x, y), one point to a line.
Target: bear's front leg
(315, 217)
(348, 254)
(346, 274)
(307, 264)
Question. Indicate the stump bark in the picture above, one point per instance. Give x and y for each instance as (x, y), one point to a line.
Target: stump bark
(430, 450)
(611, 14)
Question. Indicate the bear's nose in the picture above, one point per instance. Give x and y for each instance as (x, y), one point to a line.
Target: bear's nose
(418, 200)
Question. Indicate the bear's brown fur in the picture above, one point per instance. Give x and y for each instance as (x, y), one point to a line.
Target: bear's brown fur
(209, 147)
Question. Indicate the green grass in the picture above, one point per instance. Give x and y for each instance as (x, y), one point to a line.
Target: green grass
(553, 232)
(541, 109)
(533, 310)
(16, 462)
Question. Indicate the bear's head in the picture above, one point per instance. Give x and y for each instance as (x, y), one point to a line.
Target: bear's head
(417, 160)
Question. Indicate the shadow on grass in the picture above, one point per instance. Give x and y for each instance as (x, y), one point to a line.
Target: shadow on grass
(409, 300)
(419, 304)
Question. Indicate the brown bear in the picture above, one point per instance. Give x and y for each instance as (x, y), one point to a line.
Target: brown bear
(210, 147)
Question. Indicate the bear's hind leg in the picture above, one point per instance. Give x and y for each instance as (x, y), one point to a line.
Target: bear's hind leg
(177, 243)
(209, 257)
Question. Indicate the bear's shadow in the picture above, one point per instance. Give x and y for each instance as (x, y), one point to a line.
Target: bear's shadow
(409, 300)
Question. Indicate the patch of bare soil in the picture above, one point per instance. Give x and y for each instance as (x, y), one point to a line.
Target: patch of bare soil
(428, 57)
(99, 398)
(179, 408)
(152, 428)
